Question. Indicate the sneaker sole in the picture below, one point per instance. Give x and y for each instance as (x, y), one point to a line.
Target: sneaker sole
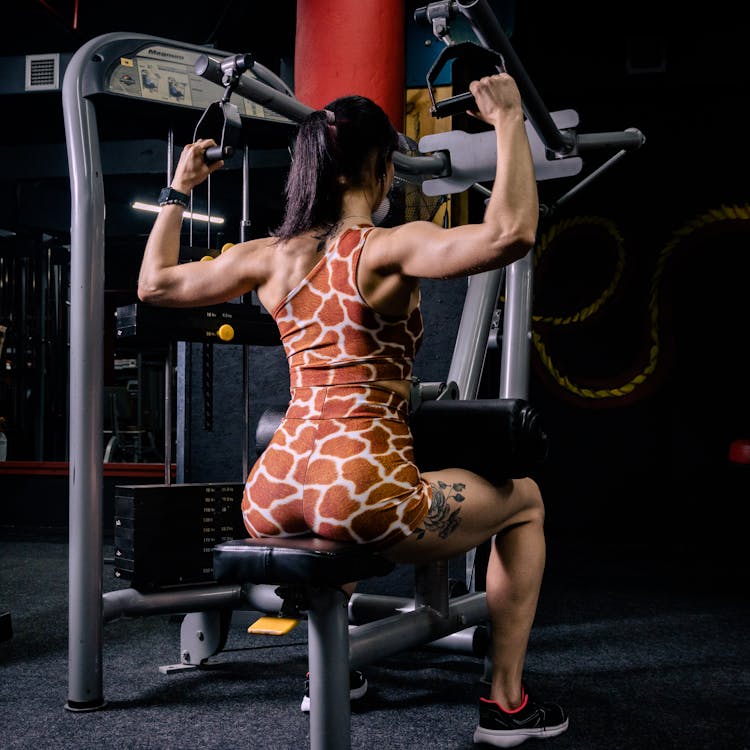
(511, 738)
(354, 695)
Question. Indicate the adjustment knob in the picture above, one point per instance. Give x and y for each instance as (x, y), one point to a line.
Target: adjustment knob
(225, 332)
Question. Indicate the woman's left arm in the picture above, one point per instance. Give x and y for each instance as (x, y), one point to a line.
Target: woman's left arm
(163, 280)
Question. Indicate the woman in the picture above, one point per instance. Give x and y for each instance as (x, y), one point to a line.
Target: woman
(345, 296)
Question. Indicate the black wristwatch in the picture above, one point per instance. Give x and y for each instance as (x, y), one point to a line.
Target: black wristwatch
(170, 195)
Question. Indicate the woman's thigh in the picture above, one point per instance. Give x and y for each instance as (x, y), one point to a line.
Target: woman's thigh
(466, 510)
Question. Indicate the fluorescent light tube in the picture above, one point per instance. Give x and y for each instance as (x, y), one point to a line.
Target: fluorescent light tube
(153, 208)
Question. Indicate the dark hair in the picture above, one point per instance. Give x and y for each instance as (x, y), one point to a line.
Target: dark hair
(330, 152)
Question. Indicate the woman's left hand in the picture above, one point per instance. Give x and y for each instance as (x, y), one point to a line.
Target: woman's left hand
(192, 169)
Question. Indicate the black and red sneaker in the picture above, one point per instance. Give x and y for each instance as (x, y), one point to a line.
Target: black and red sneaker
(502, 728)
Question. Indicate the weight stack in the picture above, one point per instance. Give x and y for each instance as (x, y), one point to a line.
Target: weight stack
(165, 534)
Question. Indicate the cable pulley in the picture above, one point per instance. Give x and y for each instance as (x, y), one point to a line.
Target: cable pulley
(222, 118)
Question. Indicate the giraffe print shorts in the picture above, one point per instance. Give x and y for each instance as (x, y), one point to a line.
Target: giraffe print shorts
(340, 464)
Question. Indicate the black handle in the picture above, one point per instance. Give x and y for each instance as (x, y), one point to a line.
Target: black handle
(455, 105)
(217, 153)
(630, 138)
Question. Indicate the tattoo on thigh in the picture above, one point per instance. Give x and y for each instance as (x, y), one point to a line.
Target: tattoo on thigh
(440, 518)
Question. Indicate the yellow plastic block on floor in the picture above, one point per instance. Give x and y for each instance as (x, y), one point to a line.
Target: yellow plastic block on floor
(273, 625)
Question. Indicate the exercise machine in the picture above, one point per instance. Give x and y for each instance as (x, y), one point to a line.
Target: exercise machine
(303, 576)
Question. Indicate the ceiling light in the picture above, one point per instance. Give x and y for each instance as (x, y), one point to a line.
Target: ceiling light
(153, 208)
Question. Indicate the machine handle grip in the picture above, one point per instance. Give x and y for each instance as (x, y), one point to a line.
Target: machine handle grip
(454, 105)
(630, 138)
(217, 153)
(420, 15)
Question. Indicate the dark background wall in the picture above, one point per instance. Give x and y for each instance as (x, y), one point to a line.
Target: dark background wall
(653, 252)
(652, 465)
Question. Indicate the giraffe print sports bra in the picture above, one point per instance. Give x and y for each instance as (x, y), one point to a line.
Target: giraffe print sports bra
(331, 336)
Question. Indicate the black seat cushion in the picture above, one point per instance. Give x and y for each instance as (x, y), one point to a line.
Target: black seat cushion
(306, 559)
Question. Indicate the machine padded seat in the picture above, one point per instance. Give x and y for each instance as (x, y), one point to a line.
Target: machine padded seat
(298, 560)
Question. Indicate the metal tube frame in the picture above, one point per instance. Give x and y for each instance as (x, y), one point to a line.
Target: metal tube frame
(85, 557)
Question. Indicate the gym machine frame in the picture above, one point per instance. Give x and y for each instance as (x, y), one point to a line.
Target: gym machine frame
(433, 617)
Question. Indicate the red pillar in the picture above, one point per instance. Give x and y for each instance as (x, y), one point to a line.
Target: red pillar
(351, 47)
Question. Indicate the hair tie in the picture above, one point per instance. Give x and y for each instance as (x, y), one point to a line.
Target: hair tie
(330, 117)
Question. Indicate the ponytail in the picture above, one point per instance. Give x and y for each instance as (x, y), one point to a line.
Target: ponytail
(329, 155)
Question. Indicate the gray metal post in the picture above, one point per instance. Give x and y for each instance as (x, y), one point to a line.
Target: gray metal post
(169, 360)
(184, 419)
(473, 330)
(328, 662)
(86, 388)
(168, 401)
(244, 236)
(514, 365)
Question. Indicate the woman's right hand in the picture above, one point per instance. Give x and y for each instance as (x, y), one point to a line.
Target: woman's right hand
(496, 96)
(191, 168)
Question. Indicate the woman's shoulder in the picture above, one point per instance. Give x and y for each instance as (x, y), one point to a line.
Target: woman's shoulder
(388, 245)
(405, 232)
(255, 245)
(255, 249)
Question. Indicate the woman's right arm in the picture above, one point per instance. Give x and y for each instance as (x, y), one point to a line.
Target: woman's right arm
(508, 229)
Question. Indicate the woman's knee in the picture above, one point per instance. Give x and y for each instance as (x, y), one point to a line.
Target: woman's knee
(518, 501)
(530, 502)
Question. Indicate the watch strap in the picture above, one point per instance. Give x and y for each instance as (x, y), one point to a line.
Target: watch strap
(169, 195)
